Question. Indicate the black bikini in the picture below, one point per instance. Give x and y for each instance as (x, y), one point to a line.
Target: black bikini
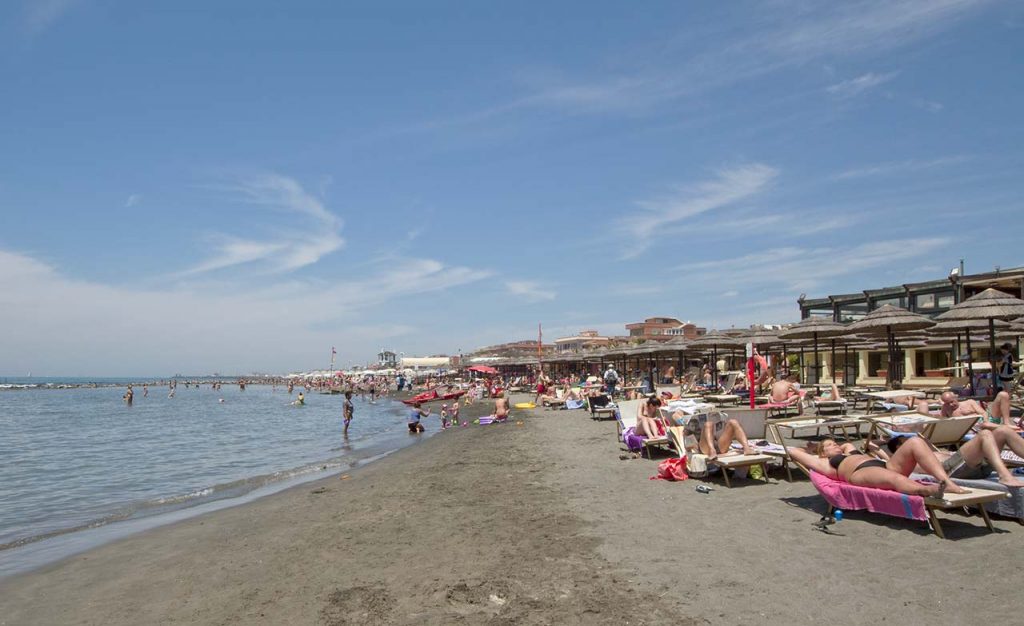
(838, 459)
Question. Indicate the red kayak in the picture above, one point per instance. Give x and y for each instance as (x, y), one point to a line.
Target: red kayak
(432, 395)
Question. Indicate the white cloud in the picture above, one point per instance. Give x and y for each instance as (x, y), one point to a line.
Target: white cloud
(158, 328)
(799, 269)
(732, 293)
(41, 14)
(788, 36)
(896, 167)
(530, 291)
(132, 200)
(687, 201)
(856, 86)
(293, 250)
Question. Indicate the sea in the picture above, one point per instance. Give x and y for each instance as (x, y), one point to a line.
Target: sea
(80, 468)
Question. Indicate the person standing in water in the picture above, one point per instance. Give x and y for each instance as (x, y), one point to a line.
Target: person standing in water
(347, 410)
(129, 396)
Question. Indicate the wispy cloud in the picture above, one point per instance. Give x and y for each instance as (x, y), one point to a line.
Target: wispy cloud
(928, 105)
(897, 167)
(800, 34)
(132, 200)
(293, 250)
(802, 268)
(861, 84)
(41, 14)
(530, 291)
(728, 187)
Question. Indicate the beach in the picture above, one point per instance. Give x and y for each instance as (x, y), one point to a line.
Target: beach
(535, 521)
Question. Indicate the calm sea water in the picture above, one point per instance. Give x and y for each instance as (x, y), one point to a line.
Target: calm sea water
(75, 459)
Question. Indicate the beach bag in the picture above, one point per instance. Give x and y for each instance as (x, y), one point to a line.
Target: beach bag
(671, 469)
(697, 464)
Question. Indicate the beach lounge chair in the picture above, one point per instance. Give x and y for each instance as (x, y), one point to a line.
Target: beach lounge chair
(600, 406)
(845, 496)
(558, 401)
(949, 431)
(627, 429)
(684, 441)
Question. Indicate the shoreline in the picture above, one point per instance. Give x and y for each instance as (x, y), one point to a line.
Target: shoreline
(29, 553)
(534, 522)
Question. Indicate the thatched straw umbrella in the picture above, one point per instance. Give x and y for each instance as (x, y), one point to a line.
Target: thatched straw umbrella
(966, 326)
(888, 320)
(989, 305)
(815, 328)
(715, 341)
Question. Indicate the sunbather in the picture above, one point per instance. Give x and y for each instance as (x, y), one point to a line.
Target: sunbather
(647, 418)
(847, 464)
(997, 413)
(786, 391)
(833, 396)
(731, 431)
(976, 459)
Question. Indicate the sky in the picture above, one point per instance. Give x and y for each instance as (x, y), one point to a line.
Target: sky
(238, 186)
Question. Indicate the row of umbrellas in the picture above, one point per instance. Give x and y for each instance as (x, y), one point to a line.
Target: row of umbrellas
(991, 310)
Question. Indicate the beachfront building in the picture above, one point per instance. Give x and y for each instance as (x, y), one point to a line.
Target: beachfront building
(585, 340)
(419, 363)
(654, 328)
(922, 364)
(387, 358)
(663, 329)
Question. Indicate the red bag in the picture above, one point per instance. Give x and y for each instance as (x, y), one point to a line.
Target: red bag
(671, 469)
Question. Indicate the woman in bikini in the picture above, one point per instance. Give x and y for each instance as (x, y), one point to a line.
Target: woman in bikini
(846, 463)
(647, 418)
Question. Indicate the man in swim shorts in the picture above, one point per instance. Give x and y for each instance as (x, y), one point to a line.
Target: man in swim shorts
(997, 413)
(347, 410)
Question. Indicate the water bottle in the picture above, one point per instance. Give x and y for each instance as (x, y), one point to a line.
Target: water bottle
(703, 489)
(837, 515)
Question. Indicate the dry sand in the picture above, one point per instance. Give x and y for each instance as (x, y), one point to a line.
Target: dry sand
(538, 523)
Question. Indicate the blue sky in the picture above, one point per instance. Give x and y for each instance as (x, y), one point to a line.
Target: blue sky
(240, 185)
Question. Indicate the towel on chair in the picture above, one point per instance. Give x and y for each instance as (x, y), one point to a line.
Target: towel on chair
(843, 495)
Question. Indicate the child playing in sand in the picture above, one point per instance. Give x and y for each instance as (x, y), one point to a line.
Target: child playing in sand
(455, 413)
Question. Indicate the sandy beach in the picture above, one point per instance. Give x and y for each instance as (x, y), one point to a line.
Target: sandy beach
(536, 521)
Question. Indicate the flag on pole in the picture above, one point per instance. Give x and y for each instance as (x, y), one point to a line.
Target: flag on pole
(540, 342)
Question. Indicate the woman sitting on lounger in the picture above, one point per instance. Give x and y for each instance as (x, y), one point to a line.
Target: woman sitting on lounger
(847, 464)
(647, 418)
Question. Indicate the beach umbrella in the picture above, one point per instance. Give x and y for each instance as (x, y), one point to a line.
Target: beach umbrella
(815, 328)
(989, 305)
(715, 341)
(967, 326)
(888, 320)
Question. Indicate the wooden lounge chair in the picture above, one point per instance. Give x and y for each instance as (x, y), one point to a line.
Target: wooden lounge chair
(947, 431)
(627, 420)
(843, 495)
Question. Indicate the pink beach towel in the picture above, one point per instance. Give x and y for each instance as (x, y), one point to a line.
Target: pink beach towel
(843, 495)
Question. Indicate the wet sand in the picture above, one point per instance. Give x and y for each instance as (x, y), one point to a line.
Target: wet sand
(538, 523)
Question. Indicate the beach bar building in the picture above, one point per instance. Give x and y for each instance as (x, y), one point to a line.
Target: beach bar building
(923, 365)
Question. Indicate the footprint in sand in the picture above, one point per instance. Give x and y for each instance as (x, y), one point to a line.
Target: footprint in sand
(358, 605)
